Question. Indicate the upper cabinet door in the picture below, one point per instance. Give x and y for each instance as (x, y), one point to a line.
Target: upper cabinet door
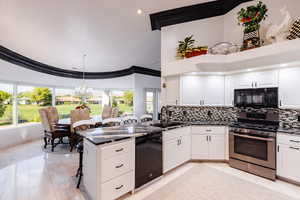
(266, 79)
(245, 80)
(261, 79)
(203, 90)
(214, 90)
(172, 91)
(229, 90)
(192, 90)
(289, 83)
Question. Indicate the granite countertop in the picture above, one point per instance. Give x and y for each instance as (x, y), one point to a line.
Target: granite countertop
(290, 131)
(211, 123)
(204, 123)
(105, 135)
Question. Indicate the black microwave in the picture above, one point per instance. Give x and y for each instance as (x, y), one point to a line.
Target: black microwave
(256, 98)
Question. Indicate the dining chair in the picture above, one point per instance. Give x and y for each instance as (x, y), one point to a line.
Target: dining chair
(52, 129)
(111, 122)
(130, 120)
(146, 118)
(106, 112)
(77, 116)
(115, 112)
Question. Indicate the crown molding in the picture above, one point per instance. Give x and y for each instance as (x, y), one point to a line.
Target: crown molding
(25, 62)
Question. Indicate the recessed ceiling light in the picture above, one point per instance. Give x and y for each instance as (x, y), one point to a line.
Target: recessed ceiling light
(139, 11)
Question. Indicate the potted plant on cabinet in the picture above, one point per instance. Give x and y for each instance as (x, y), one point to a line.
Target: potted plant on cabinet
(250, 18)
(186, 48)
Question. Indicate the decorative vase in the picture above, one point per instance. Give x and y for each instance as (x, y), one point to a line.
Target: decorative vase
(251, 40)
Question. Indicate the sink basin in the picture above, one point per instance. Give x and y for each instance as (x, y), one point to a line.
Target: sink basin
(167, 125)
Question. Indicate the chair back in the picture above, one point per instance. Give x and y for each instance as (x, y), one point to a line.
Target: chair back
(44, 119)
(52, 115)
(82, 116)
(115, 112)
(146, 118)
(106, 113)
(130, 120)
(111, 122)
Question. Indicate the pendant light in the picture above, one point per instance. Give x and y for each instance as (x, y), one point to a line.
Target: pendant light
(83, 91)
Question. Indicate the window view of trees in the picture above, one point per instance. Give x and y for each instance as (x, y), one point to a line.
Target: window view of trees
(149, 102)
(94, 102)
(66, 100)
(30, 100)
(123, 100)
(5, 104)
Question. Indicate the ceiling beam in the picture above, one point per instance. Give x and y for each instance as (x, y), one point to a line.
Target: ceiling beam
(194, 12)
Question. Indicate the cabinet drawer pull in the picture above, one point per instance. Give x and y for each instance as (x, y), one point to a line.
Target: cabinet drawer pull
(294, 148)
(119, 150)
(208, 130)
(295, 141)
(117, 188)
(119, 166)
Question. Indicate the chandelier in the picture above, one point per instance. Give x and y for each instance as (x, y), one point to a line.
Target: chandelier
(83, 91)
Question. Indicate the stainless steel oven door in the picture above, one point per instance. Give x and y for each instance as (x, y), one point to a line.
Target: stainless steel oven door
(257, 150)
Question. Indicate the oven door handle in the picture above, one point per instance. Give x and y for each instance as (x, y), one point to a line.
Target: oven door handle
(253, 137)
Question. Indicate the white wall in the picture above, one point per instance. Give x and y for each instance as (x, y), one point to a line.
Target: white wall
(11, 135)
(207, 32)
(141, 83)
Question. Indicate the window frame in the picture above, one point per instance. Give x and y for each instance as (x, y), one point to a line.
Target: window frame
(16, 84)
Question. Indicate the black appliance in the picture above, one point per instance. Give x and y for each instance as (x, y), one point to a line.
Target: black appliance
(256, 98)
(148, 158)
(252, 143)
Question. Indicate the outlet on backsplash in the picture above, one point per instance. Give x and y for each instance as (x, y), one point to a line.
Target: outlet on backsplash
(298, 118)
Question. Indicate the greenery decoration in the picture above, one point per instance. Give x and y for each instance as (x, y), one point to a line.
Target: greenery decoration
(185, 46)
(252, 16)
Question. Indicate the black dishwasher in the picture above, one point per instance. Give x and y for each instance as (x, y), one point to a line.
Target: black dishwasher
(148, 158)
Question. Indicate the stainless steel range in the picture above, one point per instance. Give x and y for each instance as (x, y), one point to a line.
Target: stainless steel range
(252, 143)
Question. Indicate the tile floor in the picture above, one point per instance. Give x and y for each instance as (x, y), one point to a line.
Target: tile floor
(29, 173)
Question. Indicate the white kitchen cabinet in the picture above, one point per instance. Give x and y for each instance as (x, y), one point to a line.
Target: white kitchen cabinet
(217, 147)
(172, 90)
(288, 157)
(192, 90)
(259, 79)
(208, 143)
(289, 83)
(176, 148)
(200, 147)
(108, 169)
(229, 90)
(202, 90)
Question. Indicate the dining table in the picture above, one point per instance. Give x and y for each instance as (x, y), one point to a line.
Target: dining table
(67, 121)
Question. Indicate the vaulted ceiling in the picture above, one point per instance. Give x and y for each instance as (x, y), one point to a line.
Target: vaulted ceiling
(59, 32)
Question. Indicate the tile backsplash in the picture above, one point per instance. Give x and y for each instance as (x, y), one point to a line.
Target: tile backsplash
(287, 117)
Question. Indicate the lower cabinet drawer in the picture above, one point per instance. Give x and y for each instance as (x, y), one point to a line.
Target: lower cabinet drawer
(117, 187)
(288, 140)
(116, 166)
(117, 149)
(208, 130)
